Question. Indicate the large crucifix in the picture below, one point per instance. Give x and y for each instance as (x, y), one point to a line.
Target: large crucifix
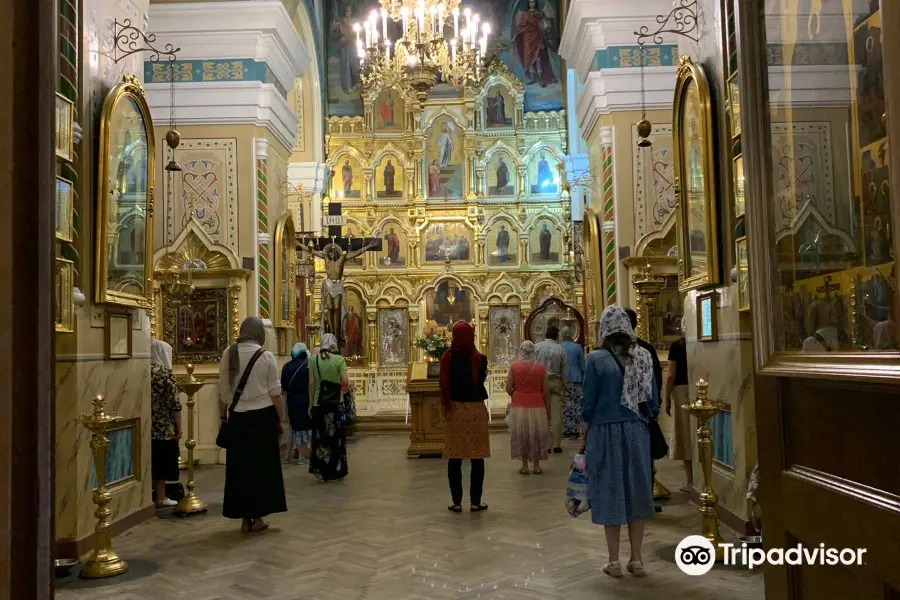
(335, 249)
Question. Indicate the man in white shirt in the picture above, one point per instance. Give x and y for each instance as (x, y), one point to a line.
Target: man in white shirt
(553, 356)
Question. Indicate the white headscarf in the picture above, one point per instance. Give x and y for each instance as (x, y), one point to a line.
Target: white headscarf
(637, 384)
(161, 353)
(526, 350)
(298, 349)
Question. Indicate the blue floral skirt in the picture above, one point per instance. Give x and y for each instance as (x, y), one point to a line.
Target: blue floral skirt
(328, 452)
(620, 476)
(572, 411)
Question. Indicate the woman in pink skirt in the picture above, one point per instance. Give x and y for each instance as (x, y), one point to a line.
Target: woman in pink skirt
(528, 386)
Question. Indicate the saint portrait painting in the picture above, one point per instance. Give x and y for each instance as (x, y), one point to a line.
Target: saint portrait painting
(352, 330)
(536, 37)
(544, 182)
(502, 241)
(497, 109)
(343, 60)
(501, 173)
(392, 247)
(344, 179)
(544, 244)
(445, 170)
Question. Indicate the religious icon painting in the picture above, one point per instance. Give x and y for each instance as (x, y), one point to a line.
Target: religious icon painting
(448, 241)
(65, 122)
(545, 245)
(346, 178)
(446, 304)
(534, 41)
(64, 210)
(444, 161)
(352, 230)
(353, 346)
(876, 205)
(394, 246)
(502, 245)
(342, 58)
(869, 104)
(543, 173)
(504, 334)
(498, 108)
(389, 112)
(502, 175)
(197, 331)
(393, 334)
(389, 177)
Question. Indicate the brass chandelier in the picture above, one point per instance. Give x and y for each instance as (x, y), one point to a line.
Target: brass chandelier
(439, 38)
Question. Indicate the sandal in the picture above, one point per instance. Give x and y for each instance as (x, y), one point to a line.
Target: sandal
(613, 569)
(524, 471)
(636, 568)
(455, 508)
(538, 471)
(478, 507)
(258, 526)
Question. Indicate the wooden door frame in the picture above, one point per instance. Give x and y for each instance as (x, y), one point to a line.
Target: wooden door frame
(28, 40)
(837, 511)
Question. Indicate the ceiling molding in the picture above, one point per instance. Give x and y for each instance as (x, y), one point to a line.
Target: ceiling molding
(612, 90)
(226, 102)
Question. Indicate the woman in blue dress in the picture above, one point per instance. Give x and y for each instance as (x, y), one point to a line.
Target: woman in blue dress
(619, 395)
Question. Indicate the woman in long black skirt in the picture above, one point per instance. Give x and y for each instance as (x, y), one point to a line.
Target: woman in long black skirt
(254, 487)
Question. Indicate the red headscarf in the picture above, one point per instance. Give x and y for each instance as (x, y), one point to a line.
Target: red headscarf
(463, 344)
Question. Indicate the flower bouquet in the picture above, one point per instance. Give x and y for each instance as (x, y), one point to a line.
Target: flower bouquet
(434, 345)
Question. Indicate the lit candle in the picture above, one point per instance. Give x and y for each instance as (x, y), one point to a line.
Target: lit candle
(368, 27)
(474, 29)
(468, 14)
(375, 34)
(441, 10)
(453, 50)
(384, 23)
(456, 22)
(465, 39)
(387, 49)
(356, 29)
(404, 14)
(483, 44)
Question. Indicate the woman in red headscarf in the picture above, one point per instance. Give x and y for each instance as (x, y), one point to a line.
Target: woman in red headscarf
(463, 373)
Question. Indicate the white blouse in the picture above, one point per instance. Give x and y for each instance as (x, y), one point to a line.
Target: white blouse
(263, 383)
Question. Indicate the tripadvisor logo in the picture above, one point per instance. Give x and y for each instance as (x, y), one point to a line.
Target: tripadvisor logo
(696, 555)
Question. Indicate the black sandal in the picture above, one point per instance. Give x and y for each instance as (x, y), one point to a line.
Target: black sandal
(455, 508)
(478, 507)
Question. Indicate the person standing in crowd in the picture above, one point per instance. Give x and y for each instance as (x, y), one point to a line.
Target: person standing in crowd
(677, 393)
(328, 382)
(254, 486)
(295, 383)
(657, 367)
(550, 354)
(463, 373)
(575, 360)
(529, 390)
(165, 421)
(619, 396)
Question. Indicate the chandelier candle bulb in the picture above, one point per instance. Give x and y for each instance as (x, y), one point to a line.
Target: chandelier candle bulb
(404, 14)
(384, 24)
(356, 29)
(441, 11)
(456, 22)
(387, 49)
(368, 27)
(453, 50)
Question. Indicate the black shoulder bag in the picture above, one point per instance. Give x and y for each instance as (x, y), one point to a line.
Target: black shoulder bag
(329, 391)
(225, 435)
(659, 448)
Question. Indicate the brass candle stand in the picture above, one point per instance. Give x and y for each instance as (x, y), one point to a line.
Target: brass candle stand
(648, 286)
(191, 503)
(103, 561)
(705, 409)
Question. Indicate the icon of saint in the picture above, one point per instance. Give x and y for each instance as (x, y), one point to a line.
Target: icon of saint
(342, 29)
(445, 143)
(389, 177)
(545, 239)
(387, 110)
(393, 247)
(544, 176)
(502, 175)
(347, 176)
(503, 244)
(434, 178)
(534, 37)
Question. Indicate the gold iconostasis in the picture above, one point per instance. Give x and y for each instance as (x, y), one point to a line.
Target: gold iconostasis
(467, 196)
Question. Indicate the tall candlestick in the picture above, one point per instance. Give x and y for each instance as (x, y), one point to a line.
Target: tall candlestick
(404, 14)
(474, 29)
(384, 23)
(453, 50)
(441, 19)
(456, 22)
(468, 14)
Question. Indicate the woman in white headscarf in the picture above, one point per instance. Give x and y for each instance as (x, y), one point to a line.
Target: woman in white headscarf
(619, 397)
(165, 421)
(295, 383)
(528, 386)
(328, 382)
(254, 486)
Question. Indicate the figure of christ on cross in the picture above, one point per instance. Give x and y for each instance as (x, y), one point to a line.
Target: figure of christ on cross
(335, 258)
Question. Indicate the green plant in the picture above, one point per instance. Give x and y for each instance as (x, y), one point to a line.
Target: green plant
(434, 345)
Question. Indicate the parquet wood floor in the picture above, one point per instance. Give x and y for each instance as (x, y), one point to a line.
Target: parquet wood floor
(385, 534)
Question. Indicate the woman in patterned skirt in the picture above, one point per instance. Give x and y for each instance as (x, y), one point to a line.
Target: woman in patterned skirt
(619, 396)
(529, 388)
(463, 373)
(328, 384)
(575, 362)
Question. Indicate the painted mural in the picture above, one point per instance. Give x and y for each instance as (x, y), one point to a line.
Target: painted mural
(445, 158)
(394, 247)
(448, 241)
(527, 39)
